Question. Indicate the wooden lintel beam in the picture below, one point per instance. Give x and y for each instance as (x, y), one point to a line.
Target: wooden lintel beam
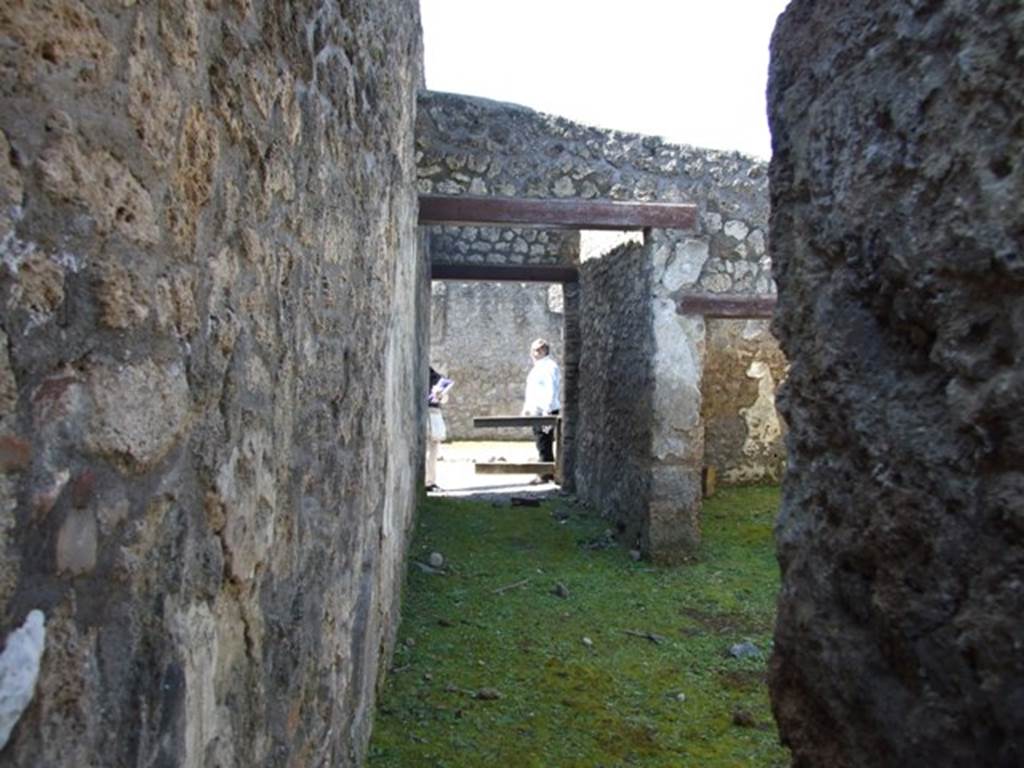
(554, 214)
(726, 305)
(520, 273)
(515, 421)
(508, 468)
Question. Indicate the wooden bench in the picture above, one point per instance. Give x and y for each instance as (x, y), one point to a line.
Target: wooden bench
(510, 468)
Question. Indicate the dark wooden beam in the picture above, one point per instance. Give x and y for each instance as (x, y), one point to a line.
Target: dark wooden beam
(520, 273)
(726, 305)
(554, 214)
(508, 468)
(515, 421)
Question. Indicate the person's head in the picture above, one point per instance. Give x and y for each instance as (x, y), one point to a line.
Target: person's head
(539, 348)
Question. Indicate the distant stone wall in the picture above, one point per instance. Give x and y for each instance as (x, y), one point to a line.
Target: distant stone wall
(494, 245)
(480, 338)
(743, 434)
(210, 390)
(897, 225)
(467, 145)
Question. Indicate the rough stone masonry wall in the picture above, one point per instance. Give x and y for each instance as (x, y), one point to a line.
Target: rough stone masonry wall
(207, 372)
(897, 233)
(615, 436)
(473, 146)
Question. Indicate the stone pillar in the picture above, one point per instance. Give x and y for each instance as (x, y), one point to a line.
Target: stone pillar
(677, 437)
(571, 347)
(896, 185)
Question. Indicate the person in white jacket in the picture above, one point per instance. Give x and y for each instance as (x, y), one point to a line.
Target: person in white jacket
(542, 396)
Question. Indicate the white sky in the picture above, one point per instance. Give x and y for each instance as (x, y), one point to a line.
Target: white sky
(693, 71)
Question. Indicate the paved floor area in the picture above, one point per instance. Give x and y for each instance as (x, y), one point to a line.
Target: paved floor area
(456, 475)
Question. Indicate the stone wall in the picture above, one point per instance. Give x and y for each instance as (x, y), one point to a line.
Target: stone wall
(480, 338)
(209, 372)
(502, 245)
(467, 145)
(616, 393)
(897, 182)
(473, 146)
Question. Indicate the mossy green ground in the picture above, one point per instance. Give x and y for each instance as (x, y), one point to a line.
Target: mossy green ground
(562, 702)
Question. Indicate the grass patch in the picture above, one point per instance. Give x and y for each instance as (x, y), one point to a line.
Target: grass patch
(488, 677)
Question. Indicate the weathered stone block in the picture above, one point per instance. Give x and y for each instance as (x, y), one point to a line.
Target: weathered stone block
(140, 412)
(896, 227)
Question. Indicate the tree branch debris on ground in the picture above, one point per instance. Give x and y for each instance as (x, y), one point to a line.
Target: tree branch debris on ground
(656, 639)
(513, 585)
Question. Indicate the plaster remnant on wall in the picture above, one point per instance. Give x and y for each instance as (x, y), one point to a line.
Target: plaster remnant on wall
(19, 670)
(762, 420)
(678, 360)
